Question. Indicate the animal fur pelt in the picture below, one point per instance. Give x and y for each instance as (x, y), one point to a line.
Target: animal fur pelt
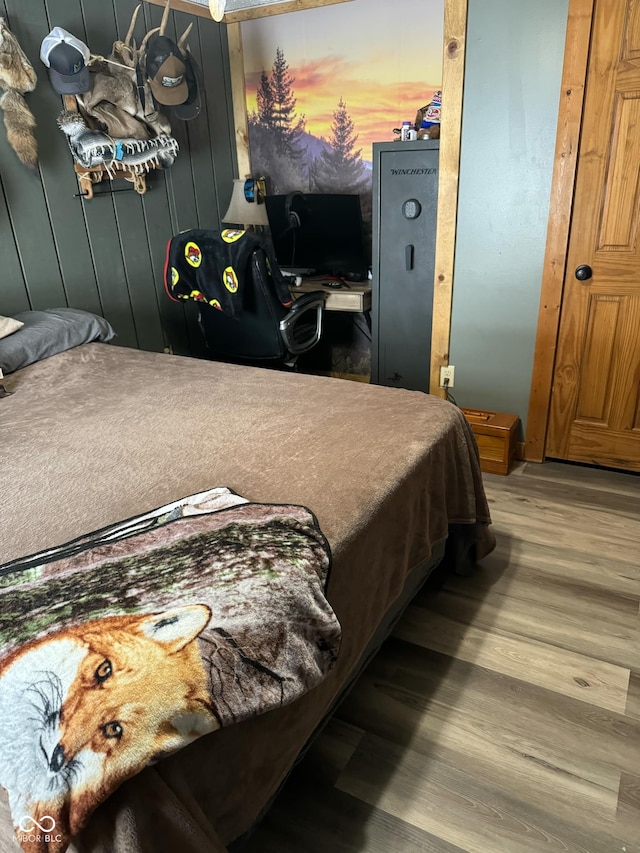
(20, 124)
(16, 78)
(114, 103)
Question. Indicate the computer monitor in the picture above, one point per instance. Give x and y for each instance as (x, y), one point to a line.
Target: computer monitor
(319, 234)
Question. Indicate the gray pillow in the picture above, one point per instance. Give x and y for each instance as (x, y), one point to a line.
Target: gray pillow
(49, 332)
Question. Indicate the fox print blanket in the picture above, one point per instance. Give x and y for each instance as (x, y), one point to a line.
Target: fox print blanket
(122, 646)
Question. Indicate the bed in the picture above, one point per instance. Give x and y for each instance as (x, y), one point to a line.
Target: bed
(99, 433)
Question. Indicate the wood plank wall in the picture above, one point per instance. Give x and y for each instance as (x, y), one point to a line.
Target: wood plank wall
(106, 255)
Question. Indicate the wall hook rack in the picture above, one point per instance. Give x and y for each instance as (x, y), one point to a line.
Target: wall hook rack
(88, 193)
(87, 177)
(86, 180)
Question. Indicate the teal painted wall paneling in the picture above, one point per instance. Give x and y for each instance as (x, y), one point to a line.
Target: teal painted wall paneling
(155, 229)
(100, 211)
(68, 222)
(139, 271)
(132, 232)
(23, 189)
(183, 333)
(182, 181)
(13, 292)
(174, 317)
(220, 119)
(197, 135)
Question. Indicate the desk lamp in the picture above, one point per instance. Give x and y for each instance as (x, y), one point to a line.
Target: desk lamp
(247, 205)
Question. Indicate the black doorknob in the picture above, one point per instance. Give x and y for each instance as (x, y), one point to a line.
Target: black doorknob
(583, 272)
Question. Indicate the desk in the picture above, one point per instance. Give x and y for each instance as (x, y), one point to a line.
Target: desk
(344, 349)
(352, 296)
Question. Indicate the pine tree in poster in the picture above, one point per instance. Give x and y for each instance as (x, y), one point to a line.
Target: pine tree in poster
(340, 169)
(287, 126)
(265, 101)
(275, 130)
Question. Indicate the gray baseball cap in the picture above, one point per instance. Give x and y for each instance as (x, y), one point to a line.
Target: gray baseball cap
(66, 58)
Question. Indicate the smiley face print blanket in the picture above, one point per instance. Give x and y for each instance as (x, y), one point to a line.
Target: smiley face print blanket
(124, 645)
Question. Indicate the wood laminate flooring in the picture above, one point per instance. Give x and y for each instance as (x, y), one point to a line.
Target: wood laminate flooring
(503, 715)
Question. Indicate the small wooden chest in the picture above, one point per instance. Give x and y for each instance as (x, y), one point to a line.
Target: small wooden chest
(497, 435)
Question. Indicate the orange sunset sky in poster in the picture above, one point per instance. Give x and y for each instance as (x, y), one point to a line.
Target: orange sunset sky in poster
(382, 57)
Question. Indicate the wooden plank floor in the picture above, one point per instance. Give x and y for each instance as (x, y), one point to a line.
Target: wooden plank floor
(503, 716)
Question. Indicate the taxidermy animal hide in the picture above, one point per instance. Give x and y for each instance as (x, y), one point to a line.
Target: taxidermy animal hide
(119, 103)
(16, 78)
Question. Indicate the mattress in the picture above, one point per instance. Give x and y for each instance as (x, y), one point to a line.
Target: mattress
(100, 433)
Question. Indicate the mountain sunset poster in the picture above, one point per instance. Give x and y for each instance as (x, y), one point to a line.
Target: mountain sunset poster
(324, 84)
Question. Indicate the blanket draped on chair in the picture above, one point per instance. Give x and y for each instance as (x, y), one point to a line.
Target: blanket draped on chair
(211, 267)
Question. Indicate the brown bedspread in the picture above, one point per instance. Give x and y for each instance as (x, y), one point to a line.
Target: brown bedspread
(100, 433)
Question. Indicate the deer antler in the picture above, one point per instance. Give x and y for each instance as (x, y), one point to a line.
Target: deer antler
(165, 18)
(134, 18)
(146, 39)
(182, 41)
(161, 29)
(125, 51)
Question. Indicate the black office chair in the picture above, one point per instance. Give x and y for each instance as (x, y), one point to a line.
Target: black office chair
(247, 314)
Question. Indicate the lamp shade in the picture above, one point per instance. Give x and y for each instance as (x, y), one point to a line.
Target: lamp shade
(243, 212)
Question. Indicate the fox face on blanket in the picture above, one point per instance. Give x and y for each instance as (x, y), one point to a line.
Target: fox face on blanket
(108, 697)
(87, 703)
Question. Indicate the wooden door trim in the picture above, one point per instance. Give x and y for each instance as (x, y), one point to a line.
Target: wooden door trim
(239, 99)
(574, 74)
(453, 61)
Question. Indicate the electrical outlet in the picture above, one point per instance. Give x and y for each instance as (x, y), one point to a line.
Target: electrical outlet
(447, 372)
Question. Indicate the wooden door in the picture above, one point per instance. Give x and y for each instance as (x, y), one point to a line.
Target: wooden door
(595, 403)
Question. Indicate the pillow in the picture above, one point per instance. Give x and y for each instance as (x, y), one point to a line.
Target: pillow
(45, 333)
(8, 325)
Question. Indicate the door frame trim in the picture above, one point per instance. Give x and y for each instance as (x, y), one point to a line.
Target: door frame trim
(574, 75)
(453, 68)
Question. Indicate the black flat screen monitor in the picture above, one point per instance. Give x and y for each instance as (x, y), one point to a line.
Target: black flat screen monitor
(319, 234)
